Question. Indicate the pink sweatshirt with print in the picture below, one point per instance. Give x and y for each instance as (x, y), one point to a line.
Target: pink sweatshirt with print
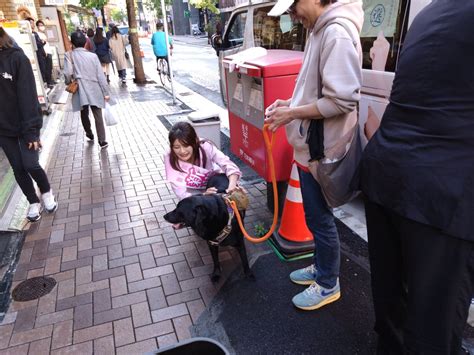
(194, 178)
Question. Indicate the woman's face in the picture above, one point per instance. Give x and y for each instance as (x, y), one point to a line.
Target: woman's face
(182, 151)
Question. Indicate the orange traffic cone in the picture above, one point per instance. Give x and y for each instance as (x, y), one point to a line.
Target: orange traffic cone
(293, 225)
(293, 238)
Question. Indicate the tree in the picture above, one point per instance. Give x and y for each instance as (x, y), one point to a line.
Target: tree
(117, 15)
(96, 4)
(205, 5)
(133, 36)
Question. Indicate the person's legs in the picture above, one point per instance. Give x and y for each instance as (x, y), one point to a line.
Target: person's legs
(86, 123)
(11, 147)
(388, 289)
(440, 282)
(31, 164)
(49, 69)
(320, 221)
(99, 123)
(42, 66)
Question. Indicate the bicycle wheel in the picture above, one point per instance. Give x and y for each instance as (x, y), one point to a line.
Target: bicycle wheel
(162, 70)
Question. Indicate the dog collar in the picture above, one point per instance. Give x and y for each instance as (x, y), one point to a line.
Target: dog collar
(227, 229)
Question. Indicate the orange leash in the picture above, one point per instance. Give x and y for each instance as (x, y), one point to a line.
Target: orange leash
(268, 145)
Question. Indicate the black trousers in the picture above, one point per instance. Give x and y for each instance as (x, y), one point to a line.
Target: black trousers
(422, 284)
(99, 121)
(25, 165)
(49, 69)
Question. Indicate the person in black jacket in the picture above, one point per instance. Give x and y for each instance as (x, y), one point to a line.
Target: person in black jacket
(40, 52)
(20, 124)
(417, 173)
(102, 49)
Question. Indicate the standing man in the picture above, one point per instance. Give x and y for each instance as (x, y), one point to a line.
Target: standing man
(158, 41)
(49, 53)
(40, 52)
(324, 99)
(417, 173)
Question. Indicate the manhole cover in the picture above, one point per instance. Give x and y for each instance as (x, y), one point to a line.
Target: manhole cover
(34, 288)
(67, 134)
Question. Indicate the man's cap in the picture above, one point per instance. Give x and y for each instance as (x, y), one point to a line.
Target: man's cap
(280, 7)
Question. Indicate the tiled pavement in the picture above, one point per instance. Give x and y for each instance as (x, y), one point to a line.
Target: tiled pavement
(126, 281)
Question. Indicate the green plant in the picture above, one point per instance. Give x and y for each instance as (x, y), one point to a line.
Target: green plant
(118, 15)
(260, 229)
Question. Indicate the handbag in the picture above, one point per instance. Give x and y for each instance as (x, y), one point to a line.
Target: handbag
(335, 174)
(73, 86)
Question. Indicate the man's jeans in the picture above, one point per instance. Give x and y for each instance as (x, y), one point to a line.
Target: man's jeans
(320, 221)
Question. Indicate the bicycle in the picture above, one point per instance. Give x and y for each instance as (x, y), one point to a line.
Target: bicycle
(163, 71)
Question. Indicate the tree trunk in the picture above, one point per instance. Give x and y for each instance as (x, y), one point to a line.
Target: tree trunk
(133, 37)
(103, 17)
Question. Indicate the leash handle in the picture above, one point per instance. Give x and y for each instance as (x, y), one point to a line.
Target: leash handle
(268, 144)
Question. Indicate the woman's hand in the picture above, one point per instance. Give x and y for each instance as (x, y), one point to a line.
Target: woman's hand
(106, 98)
(278, 117)
(36, 145)
(278, 103)
(210, 191)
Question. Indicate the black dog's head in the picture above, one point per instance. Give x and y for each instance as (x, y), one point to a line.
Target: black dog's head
(206, 214)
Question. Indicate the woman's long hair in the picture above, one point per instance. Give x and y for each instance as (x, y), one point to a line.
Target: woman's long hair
(5, 39)
(185, 133)
(115, 32)
(99, 35)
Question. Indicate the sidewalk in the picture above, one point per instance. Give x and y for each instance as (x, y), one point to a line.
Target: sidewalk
(126, 281)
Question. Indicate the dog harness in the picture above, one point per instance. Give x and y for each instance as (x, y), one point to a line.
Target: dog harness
(241, 199)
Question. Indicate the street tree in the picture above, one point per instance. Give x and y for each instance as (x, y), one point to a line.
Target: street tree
(133, 37)
(205, 6)
(95, 4)
(117, 15)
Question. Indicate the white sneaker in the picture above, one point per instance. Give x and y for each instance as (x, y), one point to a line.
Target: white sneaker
(49, 202)
(34, 212)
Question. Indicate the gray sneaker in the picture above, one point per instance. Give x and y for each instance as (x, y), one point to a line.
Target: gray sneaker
(316, 296)
(304, 276)
(34, 212)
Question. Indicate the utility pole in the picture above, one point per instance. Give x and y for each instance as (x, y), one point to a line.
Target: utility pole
(133, 36)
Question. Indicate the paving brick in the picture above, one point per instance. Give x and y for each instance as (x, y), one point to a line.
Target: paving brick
(91, 333)
(9, 318)
(62, 334)
(5, 334)
(147, 260)
(53, 265)
(115, 251)
(40, 346)
(75, 301)
(134, 272)
(112, 315)
(83, 275)
(182, 270)
(66, 289)
(118, 286)
(17, 350)
(102, 300)
(47, 303)
(171, 259)
(159, 249)
(149, 240)
(105, 242)
(170, 240)
(156, 298)
(25, 319)
(123, 332)
(106, 274)
(92, 252)
(182, 325)
(154, 330)
(141, 314)
(128, 241)
(183, 297)
(69, 253)
(196, 308)
(138, 348)
(65, 275)
(196, 282)
(144, 284)
(92, 286)
(128, 299)
(166, 340)
(104, 346)
(158, 271)
(101, 263)
(52, 318)
(84, 243)
(208, 292)
(83, 316)
(137, 250)
(83, 349)
(76, 264)
(132, 259)
(57, 236)
(170, 284)
(31, 335)
(169, 312)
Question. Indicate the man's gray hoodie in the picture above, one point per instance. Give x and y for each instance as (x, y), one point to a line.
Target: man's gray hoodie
(333, 60)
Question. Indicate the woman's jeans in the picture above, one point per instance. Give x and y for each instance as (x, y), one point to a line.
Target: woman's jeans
(25, 165)
(320, 221)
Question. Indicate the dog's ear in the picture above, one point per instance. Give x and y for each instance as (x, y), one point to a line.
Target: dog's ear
(200, 221)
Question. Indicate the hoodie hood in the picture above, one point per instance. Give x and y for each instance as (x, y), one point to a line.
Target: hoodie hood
(348, 9)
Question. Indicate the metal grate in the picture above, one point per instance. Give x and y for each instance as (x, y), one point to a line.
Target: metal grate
(34, 288)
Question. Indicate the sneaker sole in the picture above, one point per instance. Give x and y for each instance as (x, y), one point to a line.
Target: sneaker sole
(302, 282)
(328, 300)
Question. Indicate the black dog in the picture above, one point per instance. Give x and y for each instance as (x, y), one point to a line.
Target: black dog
(208, 215)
